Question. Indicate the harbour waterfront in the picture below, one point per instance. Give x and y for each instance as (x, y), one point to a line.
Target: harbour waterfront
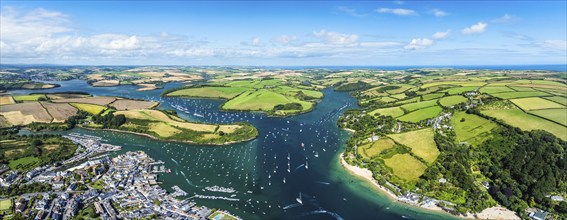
(290, 171)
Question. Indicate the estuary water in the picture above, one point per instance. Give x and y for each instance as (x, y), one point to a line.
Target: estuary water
(291, 171)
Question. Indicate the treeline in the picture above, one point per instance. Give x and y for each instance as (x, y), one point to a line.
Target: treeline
(454, 164)
(525, 167)
(109, 120)
(15, 190)
(288, 106)
(34, 146)
(346, 87)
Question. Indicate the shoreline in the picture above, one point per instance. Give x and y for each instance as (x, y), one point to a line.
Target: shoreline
(496, 212)
(175, 141)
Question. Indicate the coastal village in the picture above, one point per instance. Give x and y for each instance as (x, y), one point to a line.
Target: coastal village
(93, 184)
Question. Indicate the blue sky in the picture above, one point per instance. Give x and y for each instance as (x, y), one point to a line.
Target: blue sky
(280, 33)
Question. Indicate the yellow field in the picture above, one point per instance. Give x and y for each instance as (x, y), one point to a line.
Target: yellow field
(421, 143)
(154, 115)
(163, 129)
(527, 122)
(536, 103)
(89, 100)
(375, 148)
(59, 111)
(406, 167)
(90, 108)
(25, 113)
(6, 100)
(104, 83)
(127, 104)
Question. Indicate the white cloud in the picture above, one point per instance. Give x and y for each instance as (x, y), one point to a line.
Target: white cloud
(397, 11)
(439, 12)
(335, 38)
(506, 18)
(379, 44)
(255, 42)
(419, 43)
(441, 34)
(284, 39)
(351, 11)
(475, 28)
(555, 44)
(34, 24)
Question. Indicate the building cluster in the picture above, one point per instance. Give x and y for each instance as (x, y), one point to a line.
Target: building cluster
(124, 187)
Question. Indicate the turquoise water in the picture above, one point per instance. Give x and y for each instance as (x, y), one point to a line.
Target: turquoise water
(257, 171)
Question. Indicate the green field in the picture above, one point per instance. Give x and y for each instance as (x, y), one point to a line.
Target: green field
(5, 205)
(406, 167)
(535, 103)
(471, 128)
(392, 111)
(22, 98)
(412, 100)
(24, 163)
(460, 90)
(262, 100)
(258, 84)
(522, 89)
(415, 106)
(374, 149)
(421, 143)
(556, 115)
(452, 100)
(257, 95)
(525, 121)
(90, 108)
(460, 83)
(387, 99)
(209, 92)
(559, 99)
(513, 95)
(431, 96)
(399, 96)
(421, 114)
(403, 88)
(495, 89)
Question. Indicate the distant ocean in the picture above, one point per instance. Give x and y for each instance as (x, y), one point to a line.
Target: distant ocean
(553, 67)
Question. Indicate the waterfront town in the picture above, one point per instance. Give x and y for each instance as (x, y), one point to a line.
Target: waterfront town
(92, 184)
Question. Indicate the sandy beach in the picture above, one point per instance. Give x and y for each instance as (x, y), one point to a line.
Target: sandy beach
(366, 174)
(496, 212)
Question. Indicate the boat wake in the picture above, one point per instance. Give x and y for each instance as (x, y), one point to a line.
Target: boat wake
(297, 168)
(335, 215)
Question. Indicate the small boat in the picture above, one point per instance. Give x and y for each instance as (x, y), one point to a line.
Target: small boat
(302, 144)
(316, 154)
(284, 180)
(298, 199)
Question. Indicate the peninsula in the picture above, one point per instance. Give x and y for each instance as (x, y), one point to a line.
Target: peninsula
(65, 110)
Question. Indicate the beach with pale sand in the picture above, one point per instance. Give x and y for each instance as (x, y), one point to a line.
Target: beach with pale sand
(496, 212)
